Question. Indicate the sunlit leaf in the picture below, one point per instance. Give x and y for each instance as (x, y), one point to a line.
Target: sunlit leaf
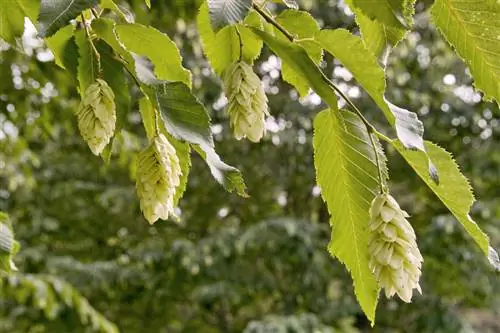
(158, 47)
(453, 190)
(223, 48)
(473, 29)
(347, 174)
(303, 26)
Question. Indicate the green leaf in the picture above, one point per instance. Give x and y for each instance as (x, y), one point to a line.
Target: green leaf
(113, 74)
(473, 29)
(184, 116)
(378, 37)
(223, 48)
(55, 14)
(87, 71)
(453, 190)
(229, 177)
(158, 47)
(11, 21)
(227, 12)
(387, 12)
(63, 46)
(148, 117)
(302, 25)
(111, 5)
(352, 53)
(347, 174)
(31, 8)
(105, 30)
(300, 62)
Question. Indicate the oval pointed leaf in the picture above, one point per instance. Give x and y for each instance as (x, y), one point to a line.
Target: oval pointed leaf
(223, 48)
(388, 12)
(300, 62)
(227, 12)
(454, 191)
(158, 47)
(473, 29)
(11, 21)
(379, 37)
(347, 174)
(184, 116)
(353, 54)
(55, 14)
(304, 26)
(87, 71)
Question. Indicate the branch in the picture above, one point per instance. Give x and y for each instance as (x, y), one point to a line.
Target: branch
(272, 21)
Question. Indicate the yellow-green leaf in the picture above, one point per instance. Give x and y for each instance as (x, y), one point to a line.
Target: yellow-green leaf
(453, 190)
(158, 47)
(347, 174)
(473, 28)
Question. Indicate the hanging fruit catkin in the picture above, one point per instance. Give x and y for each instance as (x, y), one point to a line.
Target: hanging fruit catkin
(394, 255)
(247, 106)
(158, 176)
(96, 116)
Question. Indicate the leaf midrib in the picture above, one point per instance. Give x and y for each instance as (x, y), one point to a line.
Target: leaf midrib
(349, 208)
(60, 15)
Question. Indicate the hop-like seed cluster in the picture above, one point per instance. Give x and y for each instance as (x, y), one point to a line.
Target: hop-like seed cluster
(394, 255)
(96, 116)
(247, 106)
(158, 176)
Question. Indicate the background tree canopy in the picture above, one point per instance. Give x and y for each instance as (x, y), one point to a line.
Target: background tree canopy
(90, 262)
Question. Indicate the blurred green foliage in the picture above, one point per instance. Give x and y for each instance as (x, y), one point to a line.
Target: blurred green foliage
(233, 264)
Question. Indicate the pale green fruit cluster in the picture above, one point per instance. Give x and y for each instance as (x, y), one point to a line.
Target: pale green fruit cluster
(158, 176)
(394, 255)
(247, 106)
(96, 116)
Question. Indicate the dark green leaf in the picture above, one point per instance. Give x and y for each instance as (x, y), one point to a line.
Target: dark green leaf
(63, 46)
(113, 74)
(226, 12)
(184, 116)
(87, 62)
(55, 14)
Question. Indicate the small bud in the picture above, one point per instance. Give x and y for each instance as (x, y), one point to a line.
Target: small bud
(96, 116)
(394, 255)
(158, 176)
(247, 106)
